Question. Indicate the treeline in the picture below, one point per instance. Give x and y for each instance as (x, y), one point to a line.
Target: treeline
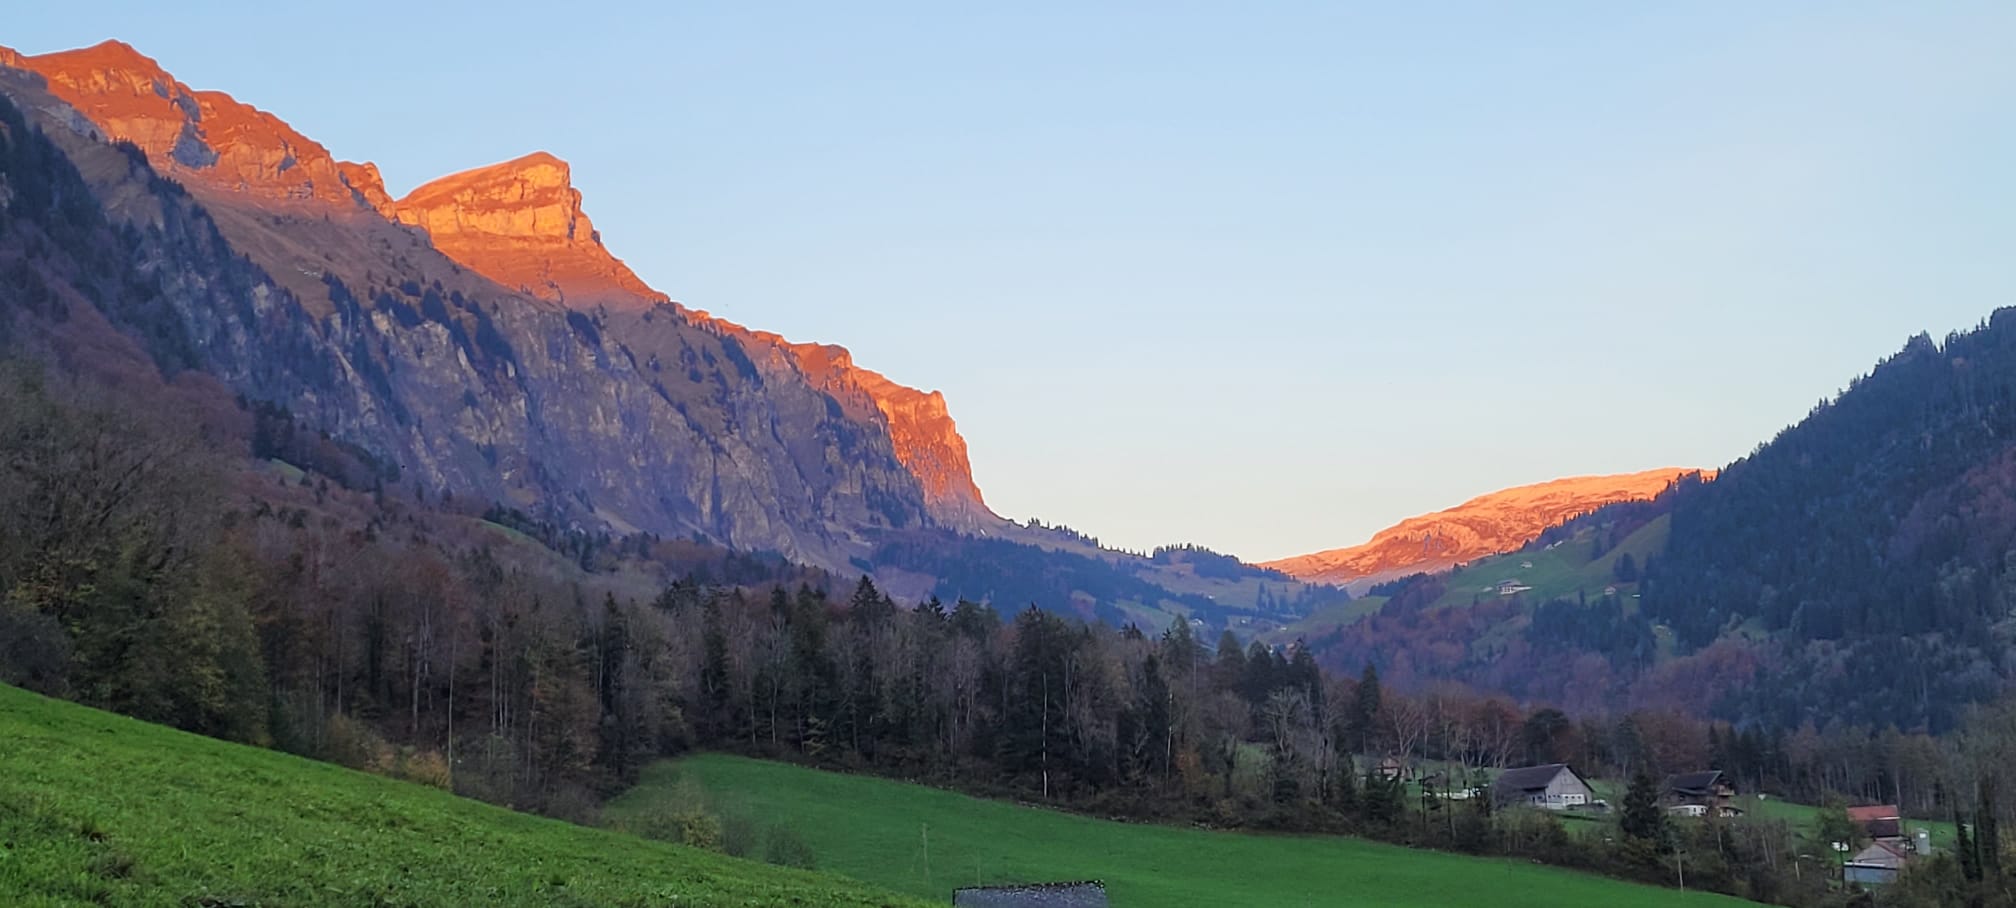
(1003, 570)
(1208, 563)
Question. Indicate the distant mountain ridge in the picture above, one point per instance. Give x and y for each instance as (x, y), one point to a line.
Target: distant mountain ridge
(1489, 524)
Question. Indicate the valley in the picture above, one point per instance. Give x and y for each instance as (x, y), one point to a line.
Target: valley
(362, 549)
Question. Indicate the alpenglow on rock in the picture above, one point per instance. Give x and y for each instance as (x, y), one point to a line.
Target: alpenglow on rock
(1486, 525)
(476, 337)
(521, 223)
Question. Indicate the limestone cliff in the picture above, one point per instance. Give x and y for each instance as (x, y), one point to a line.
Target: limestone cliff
(520, 223)
(196, 136)
(276, 273)
(1486, 525)
(926, 439)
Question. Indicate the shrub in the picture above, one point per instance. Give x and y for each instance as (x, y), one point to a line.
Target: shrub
(785, 848)
(423, 766)
(739, 835)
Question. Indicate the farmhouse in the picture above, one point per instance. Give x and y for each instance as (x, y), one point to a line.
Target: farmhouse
(1881, 822)
(1392, 769)
(1700, 794)
(1881, 862)
(1553, 786)
(1087, 894)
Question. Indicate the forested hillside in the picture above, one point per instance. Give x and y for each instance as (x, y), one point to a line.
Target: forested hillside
(1876, 538)
(1857, 570)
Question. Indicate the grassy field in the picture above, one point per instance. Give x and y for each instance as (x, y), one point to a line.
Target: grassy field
(96, 809)
(1325, 618)
(876, 830)
(1802, 816)
(1560, 571)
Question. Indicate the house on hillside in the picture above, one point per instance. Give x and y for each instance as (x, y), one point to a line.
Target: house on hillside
(1700, 794)
(1879, 863)
(1392, 769)
(1882, 822)
(1087, 894)
(1553, 786)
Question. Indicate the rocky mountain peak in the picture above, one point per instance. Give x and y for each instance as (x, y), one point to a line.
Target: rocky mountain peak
(520, 223)
(205, 138)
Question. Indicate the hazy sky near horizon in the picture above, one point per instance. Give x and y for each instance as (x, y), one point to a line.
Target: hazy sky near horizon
(1265, 277)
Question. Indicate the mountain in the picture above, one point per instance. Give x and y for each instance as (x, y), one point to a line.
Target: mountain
(1486, 525)
(475, 338)
(1858, 571)
(520, 223)
(476, 344)
(1875, 541)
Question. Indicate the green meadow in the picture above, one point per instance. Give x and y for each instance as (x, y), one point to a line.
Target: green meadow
(925, 841)
(97, 809)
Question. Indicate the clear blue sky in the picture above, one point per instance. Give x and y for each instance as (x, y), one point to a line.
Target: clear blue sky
(1265, 277)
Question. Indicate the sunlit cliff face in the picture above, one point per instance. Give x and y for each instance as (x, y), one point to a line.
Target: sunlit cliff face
(195, 136)
(926, 439)
(1486, 525)
(519, 223)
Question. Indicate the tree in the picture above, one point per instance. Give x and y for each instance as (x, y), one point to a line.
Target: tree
(108, 534)
(1987, 834)
(1261, 676)
(1154, 741)
(1626, 569)
(1832, 825)
(1544, 733)
(1366, 707)
(1642, 818)
(1228, 670)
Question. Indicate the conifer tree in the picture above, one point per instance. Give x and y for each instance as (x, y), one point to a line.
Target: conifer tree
(1641, 819)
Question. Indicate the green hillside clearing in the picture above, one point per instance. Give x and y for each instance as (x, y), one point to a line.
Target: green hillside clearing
(1560, 571)
(97, 809)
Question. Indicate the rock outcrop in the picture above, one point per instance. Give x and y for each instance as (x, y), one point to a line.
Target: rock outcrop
(929, 444)
(926, 439)
(196, 136)
(520, 224)
(368, 184)
(1486, 525)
